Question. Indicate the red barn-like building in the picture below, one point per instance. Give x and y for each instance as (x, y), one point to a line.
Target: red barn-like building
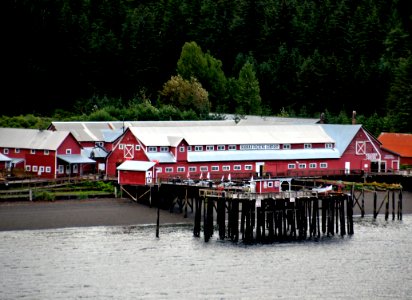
(273, 150)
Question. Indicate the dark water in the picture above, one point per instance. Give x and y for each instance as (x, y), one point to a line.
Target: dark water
(131, 263)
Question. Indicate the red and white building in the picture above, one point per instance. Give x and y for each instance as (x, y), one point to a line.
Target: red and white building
(42, 153)
(242, 151)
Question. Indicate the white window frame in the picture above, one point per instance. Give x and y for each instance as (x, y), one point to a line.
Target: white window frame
(6, 151)
(198, 148)
(48, 169)
(17, 150)
(189, 148)
(210, 148)
(137, 147)
(225, 168)
(204, 168)
(248, 167)
(181, 169)
(32, 151)
(169, 169)
(46, 152)
(121, 146)
(287, 146)
(302, 166)
(328, 146)
(151, 149)
(307, 146)
(220, 147)
(313, 165)
(164, 149)
(231, 147)
(99, 144)
(35, 168)
(360, 147)
(69, 151)
(323, 165)
(28, 168)
(61, 169)
(270, 184)
(291, 166)
(192, 169)
(237, 168)
(182, 149)
(214, 168)
(75, 168)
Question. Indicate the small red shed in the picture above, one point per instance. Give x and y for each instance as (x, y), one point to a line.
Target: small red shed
(135, 172)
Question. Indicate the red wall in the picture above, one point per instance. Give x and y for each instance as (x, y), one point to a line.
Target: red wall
(132, 177)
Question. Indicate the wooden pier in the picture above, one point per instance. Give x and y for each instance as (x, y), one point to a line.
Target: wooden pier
(277, 217)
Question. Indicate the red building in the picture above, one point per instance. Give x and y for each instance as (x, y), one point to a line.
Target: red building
(264, 150)
(399, 143)
(42, 153)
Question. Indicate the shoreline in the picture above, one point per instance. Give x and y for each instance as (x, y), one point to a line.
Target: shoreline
(26, 215)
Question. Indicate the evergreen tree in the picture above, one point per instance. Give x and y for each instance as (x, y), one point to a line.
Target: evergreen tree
(247, 96)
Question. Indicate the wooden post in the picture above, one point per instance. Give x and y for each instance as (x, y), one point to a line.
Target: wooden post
(375, 214)
(400, 205)
(158, 221)
(387, 206)
(393, 205)
(363, 203)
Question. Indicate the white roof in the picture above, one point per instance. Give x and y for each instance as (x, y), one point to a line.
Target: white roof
(31, 138)
(268, 120)
(4, 157)
(134, 165)
(164, 157)
(226, 135)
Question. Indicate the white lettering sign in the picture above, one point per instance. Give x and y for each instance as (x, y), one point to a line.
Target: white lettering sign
(260, 147)
(371, 156)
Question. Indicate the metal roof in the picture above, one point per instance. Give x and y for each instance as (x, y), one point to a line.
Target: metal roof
(4, 157)
(76, 159)
(268, 120)
(341, 134)
(164, 157)
(97, 152)
(134, 165)
(400, 143)
(238, 155)
(226, 135)
(31, 138)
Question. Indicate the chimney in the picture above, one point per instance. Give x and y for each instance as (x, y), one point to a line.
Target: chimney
(322, 118)
(353, 117)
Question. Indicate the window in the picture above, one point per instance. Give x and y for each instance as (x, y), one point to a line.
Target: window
(291, 166)
(75, 168)
(215, 168)
(99, 144)
(237, 167)
(210, 148)
(159, 169)
(232, 147)
(182, 149)
(302, 166)
(61, 169)
(323, 165)
(248, 167)
(198, 148)
(46, 152)
(151, 149)
(121, 146)
(220, 147)
(41, 169)
(34, 168)
(17, 150)
(48, 169)
(28, 168)
(180, 169)
(204, 169)
(32, 151)
(192, 169)
(360, 148)
(270, 184)
(164, 149)
(68, 151)
(6, 151)
(307, 146)
(328, 146)
(169, 170)
(225, 168)
(312, 166)
(137, 147)
(286, 146)
(189, 148)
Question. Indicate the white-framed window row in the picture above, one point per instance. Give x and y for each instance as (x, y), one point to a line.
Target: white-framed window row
(248, 167)
(181, 169)
(220, 147)
(313, 165)
(307, 146)
(210, 148)
(328, 146)
(231, 147)
(204, 168)
(28, 168)
(137, 147)
(192, 169)
(164, 149)
(215, 168)
(237, 167)
(291, 166)
(17, 150)
(169, 169)
(182, 149)
(6, 151)
(68, 151)
(225, 168)
(48, 169)
(151, 149)
(32, 151)
(286, 146)
(198, 148)
(323, 165)
(46, 152)
(302, 166)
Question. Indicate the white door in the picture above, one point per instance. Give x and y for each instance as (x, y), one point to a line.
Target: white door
(347, 167)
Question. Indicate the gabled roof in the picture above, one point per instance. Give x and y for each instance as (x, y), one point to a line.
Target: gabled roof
(31, 138)
(400, 143)
(135, 165)
(341, 134)
(226, 135)
(4, 157)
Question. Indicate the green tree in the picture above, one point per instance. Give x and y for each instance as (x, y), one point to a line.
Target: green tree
(247, 96)
(186, 94)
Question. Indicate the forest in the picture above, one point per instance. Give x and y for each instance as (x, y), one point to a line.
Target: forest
(170, 59)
